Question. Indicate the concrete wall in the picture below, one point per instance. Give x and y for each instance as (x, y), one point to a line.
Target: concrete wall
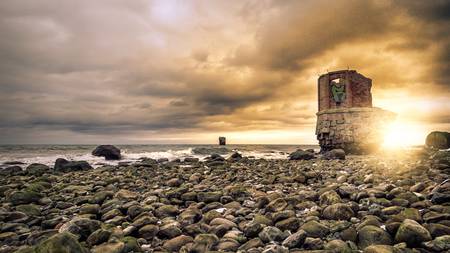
(357, 89)
(356, 130)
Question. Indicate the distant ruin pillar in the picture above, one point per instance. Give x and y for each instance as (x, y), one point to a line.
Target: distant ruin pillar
(222, 140)
(346, 118)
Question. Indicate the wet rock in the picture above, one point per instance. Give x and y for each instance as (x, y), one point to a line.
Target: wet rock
(110, 247)
(338, 211)
(235, 157)
(166, 211)
(439, 244)
(82, 227)
(175, 244)
(89, 209)
(295, 240)
(313, 243)
(29, 209)
(209, 197)
(126, 195)
(24, 197)
(61, 243)
(270, 233)
(63, 165)
(174, 182)
(277, 205)
(412, 233)
(170, 230)
(437, 230)
(148, 232)
(37, 169)
(204, 242)
(252, 229)
(337, 246)
(333, 154)
(11, 171)
(315, 229)
(329, 198)
(380, 249)
(224, 222)
(301, 155)
(191, 160)
(97, 237)
(228, 245)
(291, 224)
(110, 152)
(251, 244)
(372, 235)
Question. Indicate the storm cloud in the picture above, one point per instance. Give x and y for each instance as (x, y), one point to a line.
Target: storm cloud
(187, 71)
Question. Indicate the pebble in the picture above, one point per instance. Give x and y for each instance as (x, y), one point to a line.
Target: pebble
(351, 204)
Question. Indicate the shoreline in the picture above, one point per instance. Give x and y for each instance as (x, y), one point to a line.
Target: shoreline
(234, 204)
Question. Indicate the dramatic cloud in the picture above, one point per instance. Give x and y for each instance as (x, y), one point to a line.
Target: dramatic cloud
(187, 71)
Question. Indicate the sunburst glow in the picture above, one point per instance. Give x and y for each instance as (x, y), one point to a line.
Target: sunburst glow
(403, 134)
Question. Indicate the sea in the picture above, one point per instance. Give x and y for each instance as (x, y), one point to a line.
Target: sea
(47, 154)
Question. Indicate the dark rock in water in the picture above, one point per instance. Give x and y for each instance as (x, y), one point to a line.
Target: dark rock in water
(110, 152)
(301, 155)
(162, 160)
(13, 163)
(216, 157)
(436, 139)
(210, 150)
(11, 170)
(235, 157)
(191, 159)
(37, 169)
(334, 154)
(63, 165)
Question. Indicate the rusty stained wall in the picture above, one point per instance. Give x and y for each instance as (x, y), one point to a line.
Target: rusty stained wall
(357, 90)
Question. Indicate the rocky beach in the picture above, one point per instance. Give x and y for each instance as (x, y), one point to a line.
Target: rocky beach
(308, 203)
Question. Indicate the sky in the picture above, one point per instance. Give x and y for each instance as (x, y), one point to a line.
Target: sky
(116, 71)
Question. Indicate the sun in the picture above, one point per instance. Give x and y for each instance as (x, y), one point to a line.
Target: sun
(403, 135)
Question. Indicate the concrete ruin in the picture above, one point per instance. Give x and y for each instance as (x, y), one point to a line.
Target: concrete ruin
(346, 118)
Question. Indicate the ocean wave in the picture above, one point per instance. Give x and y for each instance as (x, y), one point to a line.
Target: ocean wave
(48, 154)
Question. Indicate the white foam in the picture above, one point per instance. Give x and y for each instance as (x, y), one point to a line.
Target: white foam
(128, 156)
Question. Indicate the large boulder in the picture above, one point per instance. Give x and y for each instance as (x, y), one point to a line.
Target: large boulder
(63, 165)
(301, 155)
(110, 152)
(436, 139)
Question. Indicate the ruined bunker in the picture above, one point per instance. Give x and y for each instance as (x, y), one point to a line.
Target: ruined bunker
(346, 118)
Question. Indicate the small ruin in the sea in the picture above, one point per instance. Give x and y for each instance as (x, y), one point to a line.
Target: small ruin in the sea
(222, 140)
(346, 118)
